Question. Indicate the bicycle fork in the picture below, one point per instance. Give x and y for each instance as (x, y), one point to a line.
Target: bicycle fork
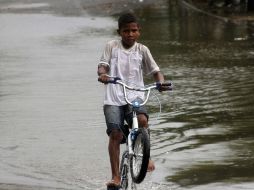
(133, 133)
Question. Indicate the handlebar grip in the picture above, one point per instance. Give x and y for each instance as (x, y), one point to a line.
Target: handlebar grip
(164, 86)
(113, 80)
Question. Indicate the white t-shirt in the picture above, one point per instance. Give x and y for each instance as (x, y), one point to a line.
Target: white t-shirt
(127, 64)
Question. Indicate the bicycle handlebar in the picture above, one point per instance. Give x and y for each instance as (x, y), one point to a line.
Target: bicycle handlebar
(161, 86)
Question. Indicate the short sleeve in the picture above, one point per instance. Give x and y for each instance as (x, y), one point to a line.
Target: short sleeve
(149, 64)
(106, 55)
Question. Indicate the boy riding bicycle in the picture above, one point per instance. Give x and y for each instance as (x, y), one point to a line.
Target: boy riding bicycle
(127, 59)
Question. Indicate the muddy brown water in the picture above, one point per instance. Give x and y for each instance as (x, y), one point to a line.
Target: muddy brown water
(52, 131)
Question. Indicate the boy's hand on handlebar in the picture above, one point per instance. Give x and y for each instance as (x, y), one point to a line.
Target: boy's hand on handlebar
(103, 78)
(164, 86)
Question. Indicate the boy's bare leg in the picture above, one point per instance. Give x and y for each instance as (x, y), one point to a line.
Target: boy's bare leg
(142, 119)
(114, 154)
(151, 166)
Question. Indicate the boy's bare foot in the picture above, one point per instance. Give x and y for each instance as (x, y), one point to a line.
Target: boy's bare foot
(113, 183)
(151, 166)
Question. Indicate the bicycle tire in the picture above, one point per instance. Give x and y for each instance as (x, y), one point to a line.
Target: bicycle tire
(124, 171)
(139, 161)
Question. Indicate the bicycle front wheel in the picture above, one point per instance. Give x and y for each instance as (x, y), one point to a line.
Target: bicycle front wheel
(139, 161)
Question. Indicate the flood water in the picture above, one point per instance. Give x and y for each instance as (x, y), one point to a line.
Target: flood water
(52, 131)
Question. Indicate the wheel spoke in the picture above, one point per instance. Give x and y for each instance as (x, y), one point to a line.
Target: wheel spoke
(139, 160)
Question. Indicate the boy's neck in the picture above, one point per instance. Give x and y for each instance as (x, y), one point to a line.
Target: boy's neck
(126, 46)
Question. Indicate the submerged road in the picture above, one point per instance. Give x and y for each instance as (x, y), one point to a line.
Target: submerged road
(52, 130)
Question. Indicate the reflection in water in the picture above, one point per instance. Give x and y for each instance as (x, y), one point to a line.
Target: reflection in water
(49, 98)
(206, 134)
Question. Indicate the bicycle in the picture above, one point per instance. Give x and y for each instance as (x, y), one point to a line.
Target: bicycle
(137, 154)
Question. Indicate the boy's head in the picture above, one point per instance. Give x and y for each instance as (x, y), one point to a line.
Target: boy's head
(126, 19)
(128, 29)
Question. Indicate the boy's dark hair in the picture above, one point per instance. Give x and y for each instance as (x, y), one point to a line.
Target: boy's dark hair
(126, 19)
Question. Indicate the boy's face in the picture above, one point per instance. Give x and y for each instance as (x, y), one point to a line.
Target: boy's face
(130, 33)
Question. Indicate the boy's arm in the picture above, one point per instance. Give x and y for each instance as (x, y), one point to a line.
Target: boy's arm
(158, 77)
(102, 72)
(103, 67)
